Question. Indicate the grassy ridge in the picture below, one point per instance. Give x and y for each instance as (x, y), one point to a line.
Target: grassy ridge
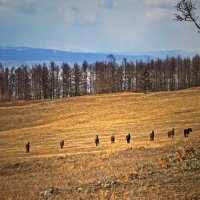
(80, 170)
(77, 120)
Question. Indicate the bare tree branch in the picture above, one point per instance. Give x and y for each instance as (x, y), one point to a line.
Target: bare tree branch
(186, 12)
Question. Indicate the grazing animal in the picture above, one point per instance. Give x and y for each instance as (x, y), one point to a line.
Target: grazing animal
(128, 138)
(171, 133)
(97, 140)
(187, 131)
(27, 146)
(62, 144)
(152, 136)
(112, 138)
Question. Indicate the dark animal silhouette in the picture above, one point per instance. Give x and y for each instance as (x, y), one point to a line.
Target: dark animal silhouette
(152, 136)
(112, 138)
(128, 138)
(27, 146)
(171, 133)
(97, 140)
(187, 131)
(62, 144)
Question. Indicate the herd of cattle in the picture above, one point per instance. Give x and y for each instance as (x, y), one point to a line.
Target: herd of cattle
(128, 138)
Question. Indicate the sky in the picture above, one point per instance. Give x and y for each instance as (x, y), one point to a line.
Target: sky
(119, 26)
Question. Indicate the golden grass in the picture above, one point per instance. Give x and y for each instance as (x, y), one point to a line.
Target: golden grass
(77, 120)
(81, 164)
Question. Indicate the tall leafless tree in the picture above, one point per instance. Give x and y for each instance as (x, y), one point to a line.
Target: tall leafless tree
(186, 12)
(84, 71)
(66, 80)
(77, 79)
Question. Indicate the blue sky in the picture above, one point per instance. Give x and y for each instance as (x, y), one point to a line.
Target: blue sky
(123, 26)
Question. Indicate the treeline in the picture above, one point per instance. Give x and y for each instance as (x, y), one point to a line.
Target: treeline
(53, 81)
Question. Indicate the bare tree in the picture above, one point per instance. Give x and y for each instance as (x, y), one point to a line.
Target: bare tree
(66, 80)
(145, 78)
(84, 71)
(112, 65)
(77, 79)
(186, 12)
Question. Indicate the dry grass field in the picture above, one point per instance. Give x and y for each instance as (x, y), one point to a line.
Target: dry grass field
(109, 171)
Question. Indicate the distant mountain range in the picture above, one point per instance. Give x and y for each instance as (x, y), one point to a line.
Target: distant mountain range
(16, 56)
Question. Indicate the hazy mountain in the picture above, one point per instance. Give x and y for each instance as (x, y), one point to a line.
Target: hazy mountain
(16, 56)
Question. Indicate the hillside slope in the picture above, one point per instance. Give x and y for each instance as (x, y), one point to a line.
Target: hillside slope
(77, 120)
(142, 170)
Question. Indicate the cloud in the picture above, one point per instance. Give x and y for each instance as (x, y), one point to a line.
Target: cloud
(28, 8)
(154, 15)
(79, 13)
(160, 2)
(6, 5)
(74, 18)
(94, 25)
(106, 4)
(113, 4)
(25, 6)
(6, 2)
